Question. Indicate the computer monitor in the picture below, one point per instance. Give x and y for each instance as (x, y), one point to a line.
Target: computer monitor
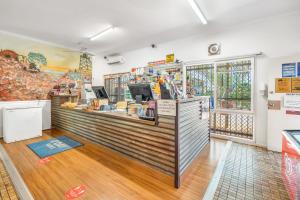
(140, 92)
(100, 92)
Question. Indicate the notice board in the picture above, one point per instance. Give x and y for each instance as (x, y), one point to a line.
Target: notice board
(283, 85)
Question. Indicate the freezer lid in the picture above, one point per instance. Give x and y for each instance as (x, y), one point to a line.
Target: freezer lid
(294, 134)
(21, 107)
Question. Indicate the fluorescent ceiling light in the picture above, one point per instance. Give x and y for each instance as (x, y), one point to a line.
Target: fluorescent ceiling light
(198, 11)
(107, 30)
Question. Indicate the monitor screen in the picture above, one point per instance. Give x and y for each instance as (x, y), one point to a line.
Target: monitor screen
(165, 93)
(100, 92)
(142, 90)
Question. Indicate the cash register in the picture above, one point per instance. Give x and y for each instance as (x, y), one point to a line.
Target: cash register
(102, 99)
(142, 94)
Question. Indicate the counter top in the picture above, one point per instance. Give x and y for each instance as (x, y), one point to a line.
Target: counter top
(195, 98)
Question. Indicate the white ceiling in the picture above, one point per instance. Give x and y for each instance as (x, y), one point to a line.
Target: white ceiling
(139, 22)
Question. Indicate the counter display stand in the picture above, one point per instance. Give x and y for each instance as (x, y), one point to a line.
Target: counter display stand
(170, 143)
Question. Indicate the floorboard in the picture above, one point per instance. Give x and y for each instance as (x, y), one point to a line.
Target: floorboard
(106, 173)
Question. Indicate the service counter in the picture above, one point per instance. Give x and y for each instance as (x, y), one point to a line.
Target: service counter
(170, 143)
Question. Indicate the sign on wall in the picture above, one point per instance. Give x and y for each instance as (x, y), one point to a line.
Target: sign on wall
(289, 70)
(170, 58)
(295, 85)
(283, 85)
(166, 107)
(274, 105)
(292, 101)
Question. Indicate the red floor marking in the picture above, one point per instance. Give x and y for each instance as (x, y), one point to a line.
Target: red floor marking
(75, 192)
(45, 160)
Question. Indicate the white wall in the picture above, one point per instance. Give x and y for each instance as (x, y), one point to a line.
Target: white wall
(275, 37)
(278, 120)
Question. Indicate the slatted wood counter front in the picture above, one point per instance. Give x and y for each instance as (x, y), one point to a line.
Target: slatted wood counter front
(156, 144)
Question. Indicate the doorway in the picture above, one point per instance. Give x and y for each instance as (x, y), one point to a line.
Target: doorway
(229, 83)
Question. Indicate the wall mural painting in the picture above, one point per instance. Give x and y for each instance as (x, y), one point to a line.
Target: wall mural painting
(30, 70)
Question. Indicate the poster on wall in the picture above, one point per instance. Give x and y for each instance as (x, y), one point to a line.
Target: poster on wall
(283, 85)
(170, 58)
(295, 85)
(29, 70)
(298, 69)
(289, 70)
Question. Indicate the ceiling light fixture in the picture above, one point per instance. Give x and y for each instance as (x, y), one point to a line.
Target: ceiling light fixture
(198, 11)
(107, 30)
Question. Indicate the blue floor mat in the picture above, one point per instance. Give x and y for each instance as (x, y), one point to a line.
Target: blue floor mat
(53, 146)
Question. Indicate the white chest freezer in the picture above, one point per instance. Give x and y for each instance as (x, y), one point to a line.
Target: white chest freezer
(46, 110)
(21, 123)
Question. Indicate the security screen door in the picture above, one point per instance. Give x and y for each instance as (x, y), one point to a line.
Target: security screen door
(116, 85)
(230, 85)
(200, 79)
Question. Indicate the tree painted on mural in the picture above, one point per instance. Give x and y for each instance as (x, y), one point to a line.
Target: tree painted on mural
(36, 60)
(85, 66)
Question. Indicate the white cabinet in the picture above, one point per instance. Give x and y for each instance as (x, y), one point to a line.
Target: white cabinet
(46, 110)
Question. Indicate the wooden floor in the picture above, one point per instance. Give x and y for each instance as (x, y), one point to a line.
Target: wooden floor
(107, 174)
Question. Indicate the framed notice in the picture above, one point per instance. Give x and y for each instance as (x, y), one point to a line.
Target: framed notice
(283, 85)
(295, 85)
(292, 101)
(166, 107)
(289, 70)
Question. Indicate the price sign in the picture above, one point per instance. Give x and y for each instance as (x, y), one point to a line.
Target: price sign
(166, 107)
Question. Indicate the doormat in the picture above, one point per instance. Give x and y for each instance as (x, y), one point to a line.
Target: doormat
(53, 146)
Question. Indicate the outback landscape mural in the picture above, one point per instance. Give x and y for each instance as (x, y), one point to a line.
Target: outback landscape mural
(29, 70)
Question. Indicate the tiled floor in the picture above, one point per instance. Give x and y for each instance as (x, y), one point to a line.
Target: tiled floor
(251, 173)
(7, 190)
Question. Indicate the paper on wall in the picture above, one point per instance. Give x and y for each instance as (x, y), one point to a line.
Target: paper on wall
(292, 101)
